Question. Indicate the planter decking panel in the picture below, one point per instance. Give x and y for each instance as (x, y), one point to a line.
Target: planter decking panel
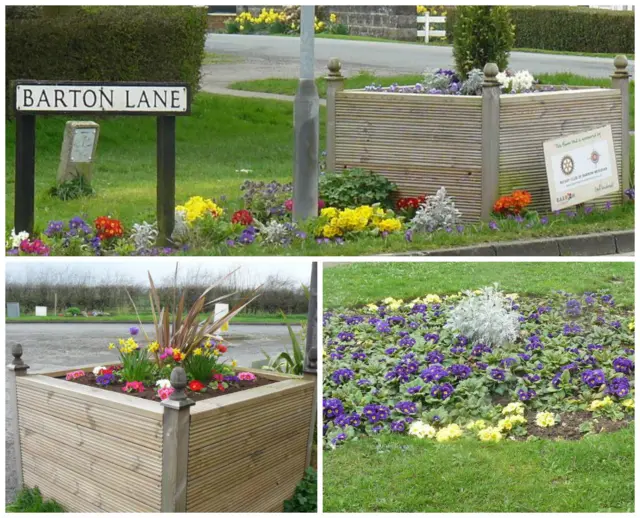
(527, 120)
(254, 442)
(419, 141)
(92, 450)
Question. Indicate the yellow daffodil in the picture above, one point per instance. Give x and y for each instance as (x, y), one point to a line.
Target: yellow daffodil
(333, 18)
(153, 347)
(234, 363)
(112, 346)
(197, 352)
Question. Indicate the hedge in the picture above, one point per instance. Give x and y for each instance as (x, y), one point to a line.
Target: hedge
(572, 29)
(158, 43)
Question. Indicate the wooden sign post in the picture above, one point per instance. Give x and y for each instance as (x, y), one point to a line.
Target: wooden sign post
(162, 100)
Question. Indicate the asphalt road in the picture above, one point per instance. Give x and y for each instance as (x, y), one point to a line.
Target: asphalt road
(60, 346)
(277, 56)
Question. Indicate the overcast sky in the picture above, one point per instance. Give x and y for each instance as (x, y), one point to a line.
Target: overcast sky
(110, 270)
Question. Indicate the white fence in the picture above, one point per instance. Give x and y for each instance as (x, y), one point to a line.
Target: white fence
(427, 32)
(614, 7)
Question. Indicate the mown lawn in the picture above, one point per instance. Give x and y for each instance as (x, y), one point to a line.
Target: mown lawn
(405, 474)
(222, 136)
(356, 284)
(288, 86)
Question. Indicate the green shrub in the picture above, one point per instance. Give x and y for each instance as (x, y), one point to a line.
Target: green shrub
(158, 43)
(355, 187)
(31, 501)
(482, 34)
(305, 498)
(572, 29)
(73, 312)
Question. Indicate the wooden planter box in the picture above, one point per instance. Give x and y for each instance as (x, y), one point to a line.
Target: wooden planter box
(99, 451)
(478, 147)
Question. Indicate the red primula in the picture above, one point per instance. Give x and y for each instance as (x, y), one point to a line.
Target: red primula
(107, 228)
(196, 386)
(242, 216)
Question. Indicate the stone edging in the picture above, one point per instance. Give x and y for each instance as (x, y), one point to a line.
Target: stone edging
(602, 243)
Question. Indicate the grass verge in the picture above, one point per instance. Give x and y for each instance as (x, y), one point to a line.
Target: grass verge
(404, 474)
(288, 86)
(356, 284)
(266, 318)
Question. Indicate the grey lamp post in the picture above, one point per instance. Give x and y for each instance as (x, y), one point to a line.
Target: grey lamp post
(311, 354)
(306, 115)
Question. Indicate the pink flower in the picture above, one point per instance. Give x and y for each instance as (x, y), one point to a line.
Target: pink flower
(288, 205)
(132, 386)
(74, 375)
(246, 376)
(164, 393)
(168, 352)
(321, 204)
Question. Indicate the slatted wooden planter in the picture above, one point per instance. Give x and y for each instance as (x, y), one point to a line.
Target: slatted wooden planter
(94, 450)
(478, 147)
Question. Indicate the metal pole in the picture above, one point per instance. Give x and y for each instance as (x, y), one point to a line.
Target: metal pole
(311, 355)
(306, 115)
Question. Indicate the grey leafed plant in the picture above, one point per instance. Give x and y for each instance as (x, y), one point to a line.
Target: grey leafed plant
(433, 79)
(276, 232)
(181, 328)
(144, 235)
(473, 84)
(436, 213)
(486, 317)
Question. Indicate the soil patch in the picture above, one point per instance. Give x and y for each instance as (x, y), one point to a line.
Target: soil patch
(569, 426)
(150, 393)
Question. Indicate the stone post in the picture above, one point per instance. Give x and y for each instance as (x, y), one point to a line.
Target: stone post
(306, 120)
(175, 445)
(15, 369)
(490, 139)
(335, 84)
(311, 354)
(620, 81)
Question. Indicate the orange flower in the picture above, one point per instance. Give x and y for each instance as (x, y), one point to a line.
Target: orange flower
(512, 204)
(107, 227)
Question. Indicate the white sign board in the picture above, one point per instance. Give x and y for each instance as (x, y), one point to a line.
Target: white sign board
(219, 311)
(41, 311)
(118, 98)
(82, 144)
(581, 167)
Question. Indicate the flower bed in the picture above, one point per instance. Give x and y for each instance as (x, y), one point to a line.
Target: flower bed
(480, 364)
(428, 135)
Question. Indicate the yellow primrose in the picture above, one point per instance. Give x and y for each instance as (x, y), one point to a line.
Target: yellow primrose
(197, 206)
(449, 433)
(632, 325)
(600, 403)
(372, 307)
(510, 421)
(432, 299)
(512, 296)
(329, 212)
(480, 424)
(422, 430)
(628, 404)
(389, 225)
(513, 408)
(545, 419)
(491, 434)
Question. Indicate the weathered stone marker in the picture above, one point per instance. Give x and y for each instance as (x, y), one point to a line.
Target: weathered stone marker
(78, 151)
(162, 100)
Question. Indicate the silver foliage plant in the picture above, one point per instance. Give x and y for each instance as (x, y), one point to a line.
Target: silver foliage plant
(437, 212)
(144, 235)
(275, 232)
(433, 80)
(180, 228)
(485, 317)
(473, 84)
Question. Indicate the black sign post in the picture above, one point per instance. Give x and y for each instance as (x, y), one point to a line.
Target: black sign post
(163, 100)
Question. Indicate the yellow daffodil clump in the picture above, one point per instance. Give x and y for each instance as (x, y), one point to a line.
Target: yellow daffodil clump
(197, 206)
(448, 433)
(422, 430)
(491, 434)
(153, 347)
(545, 419)
(333, 18)
(600, 403)
(126, 346)
(421, 9)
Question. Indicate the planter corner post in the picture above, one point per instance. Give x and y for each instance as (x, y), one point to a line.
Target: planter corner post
(335, 84)
(16, 368)
(620, 81)
(175, 445)
(490, 139)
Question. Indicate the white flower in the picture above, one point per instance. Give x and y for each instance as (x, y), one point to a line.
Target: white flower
(16, 239)
(97, 370)
(422, 430)
(163, 384)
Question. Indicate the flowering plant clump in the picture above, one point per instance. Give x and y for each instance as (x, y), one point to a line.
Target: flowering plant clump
(513, 204)
(397, 367)
(285, 21)
(108, 228)
(243, 217)
(196, 207)
(133, 386)
(366, 218)
(246, 376)
(408, 206)
(75, 375)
